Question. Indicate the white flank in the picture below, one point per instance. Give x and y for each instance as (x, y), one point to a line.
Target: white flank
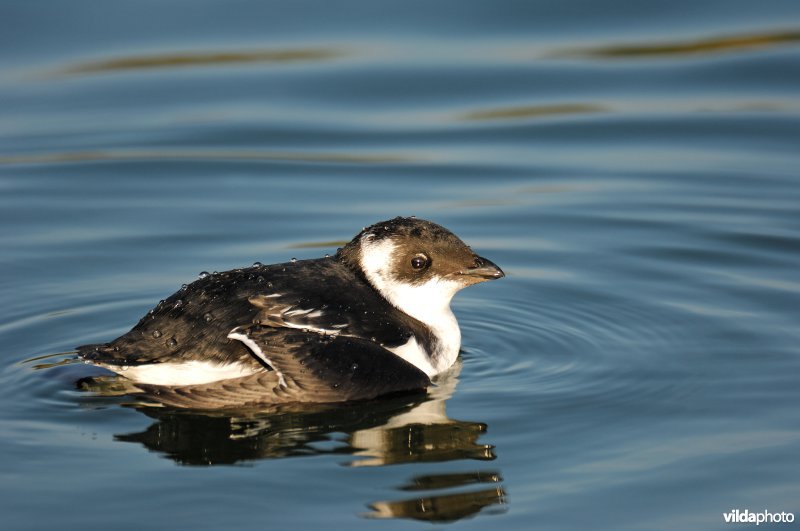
(234, 334)
(183, 373)
(412, 352)
(428, 302)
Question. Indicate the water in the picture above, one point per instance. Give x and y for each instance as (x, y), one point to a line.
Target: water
(633, 168)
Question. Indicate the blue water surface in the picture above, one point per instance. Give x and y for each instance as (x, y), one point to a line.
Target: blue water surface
(632, 166)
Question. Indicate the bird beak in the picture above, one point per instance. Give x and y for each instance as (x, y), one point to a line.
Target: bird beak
(483, 269)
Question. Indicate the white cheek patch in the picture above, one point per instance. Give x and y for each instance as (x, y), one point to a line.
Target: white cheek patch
(376, 258)
(428, 302)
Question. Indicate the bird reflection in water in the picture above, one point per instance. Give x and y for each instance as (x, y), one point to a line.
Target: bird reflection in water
(411, 428)
(445, 507)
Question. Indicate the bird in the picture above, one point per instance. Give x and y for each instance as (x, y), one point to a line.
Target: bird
(373, 319)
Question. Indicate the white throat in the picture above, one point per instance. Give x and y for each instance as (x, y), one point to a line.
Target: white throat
(428, 302)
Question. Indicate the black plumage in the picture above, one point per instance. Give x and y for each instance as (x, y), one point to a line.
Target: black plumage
(302, 331)
(193, 323)
(308, 368)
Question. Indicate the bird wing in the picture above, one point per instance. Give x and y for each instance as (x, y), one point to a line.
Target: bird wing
(307, 367)
(352, 313)
(323, 368)
(318, 295)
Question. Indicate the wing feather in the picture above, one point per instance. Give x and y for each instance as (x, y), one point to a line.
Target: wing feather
(308, 368)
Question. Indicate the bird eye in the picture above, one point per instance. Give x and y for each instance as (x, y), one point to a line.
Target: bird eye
(420, 261)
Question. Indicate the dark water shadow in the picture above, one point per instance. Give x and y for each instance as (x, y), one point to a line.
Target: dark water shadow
(389, 431)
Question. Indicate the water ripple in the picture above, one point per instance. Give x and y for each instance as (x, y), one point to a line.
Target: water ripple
(577, 348)
(533, 111)
(150, 155)
(195, 59)
(702, 46)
